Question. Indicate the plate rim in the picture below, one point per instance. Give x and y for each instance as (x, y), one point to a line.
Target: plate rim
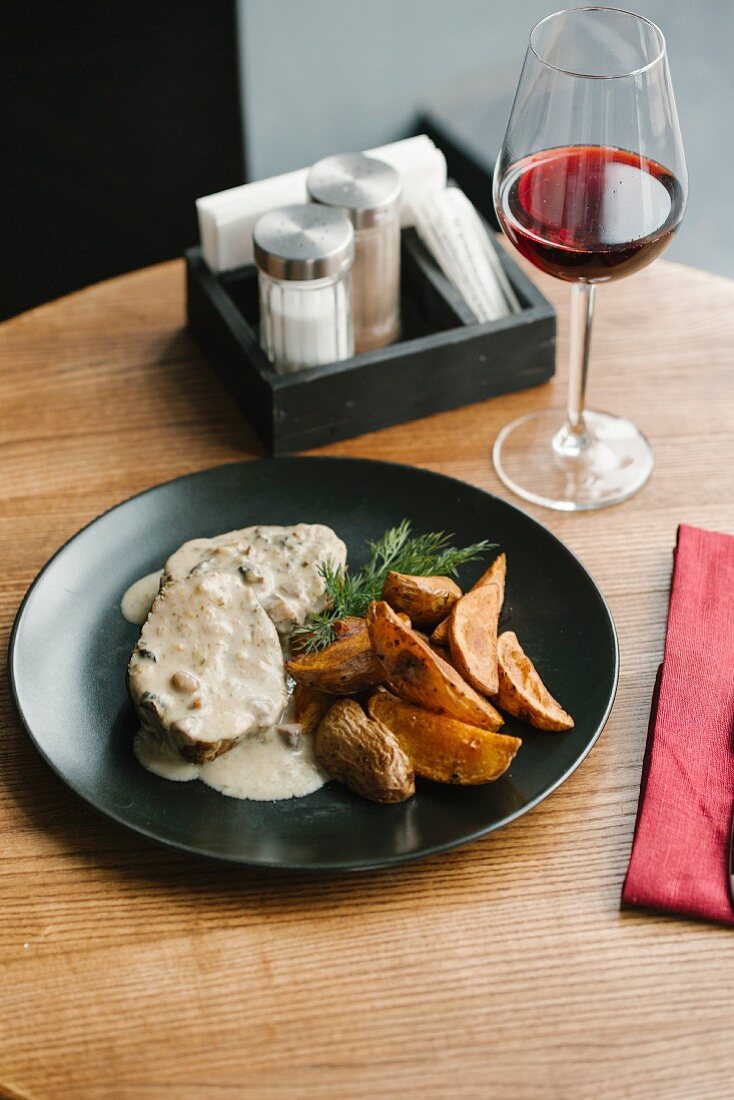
(330, 866)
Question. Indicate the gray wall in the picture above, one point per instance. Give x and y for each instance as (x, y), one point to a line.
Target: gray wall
(322, 76)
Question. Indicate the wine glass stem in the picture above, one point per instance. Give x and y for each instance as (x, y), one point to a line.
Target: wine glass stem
(582, 315)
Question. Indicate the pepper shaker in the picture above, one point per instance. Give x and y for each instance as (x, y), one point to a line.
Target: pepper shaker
(368, 191)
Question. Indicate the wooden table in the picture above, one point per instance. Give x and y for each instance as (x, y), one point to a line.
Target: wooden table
(502, 969)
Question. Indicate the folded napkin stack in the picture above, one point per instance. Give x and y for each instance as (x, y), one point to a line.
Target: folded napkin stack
(227, 219)
(680, 853)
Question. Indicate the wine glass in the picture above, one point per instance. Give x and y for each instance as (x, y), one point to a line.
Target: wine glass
(590, 185)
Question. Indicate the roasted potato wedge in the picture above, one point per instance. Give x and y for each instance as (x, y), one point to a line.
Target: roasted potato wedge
(310, 706)
(342, 668)
(350, 624)
(343, 628)
(473, 637)
(522, 693)
(426, 600)
(496, 574)
(419, 675)
(353, 624)
(442, 748)
(363, 754)
(440, 636)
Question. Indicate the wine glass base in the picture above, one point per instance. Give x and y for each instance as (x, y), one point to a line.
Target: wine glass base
(539, 460)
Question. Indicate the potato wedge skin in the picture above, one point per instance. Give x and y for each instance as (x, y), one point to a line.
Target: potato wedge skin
(342, 668)
(341, 628)
(496, 574)
(473, 637)
(440, 636)
(426, 600)
(354, 624)
(522, 693)
(442, 748)
(350, 624)
(363, 754)
(419, 675)
(310, 706)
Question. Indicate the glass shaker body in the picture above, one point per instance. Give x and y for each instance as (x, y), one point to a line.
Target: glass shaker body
(304, 256)
(304, 323)
(376, 283)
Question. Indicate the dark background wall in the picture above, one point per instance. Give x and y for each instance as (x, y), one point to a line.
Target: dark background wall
(116, 114)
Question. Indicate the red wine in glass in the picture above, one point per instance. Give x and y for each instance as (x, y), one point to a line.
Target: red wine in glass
(589, 213)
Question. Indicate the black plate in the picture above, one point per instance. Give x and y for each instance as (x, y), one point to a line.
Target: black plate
(70, 647)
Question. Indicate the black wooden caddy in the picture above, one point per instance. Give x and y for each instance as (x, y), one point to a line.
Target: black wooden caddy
(444, 359)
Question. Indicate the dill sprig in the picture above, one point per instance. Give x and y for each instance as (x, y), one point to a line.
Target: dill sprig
(397, 550)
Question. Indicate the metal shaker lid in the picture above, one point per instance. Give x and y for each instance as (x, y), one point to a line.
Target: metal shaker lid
(303, 242)
(365, 188)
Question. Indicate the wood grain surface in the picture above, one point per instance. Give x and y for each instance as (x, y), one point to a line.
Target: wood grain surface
(502, 969)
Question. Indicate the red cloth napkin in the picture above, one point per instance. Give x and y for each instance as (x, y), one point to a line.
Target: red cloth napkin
(680, 851)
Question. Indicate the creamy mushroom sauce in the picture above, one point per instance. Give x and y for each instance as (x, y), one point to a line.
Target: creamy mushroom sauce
(138, 599)
(280, 564)
(280, 567)
(277, 763)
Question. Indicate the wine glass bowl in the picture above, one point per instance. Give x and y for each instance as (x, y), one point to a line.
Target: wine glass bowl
(589, 213)
(590, 186)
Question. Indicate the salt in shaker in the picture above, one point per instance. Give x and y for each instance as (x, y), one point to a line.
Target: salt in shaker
(304, 257)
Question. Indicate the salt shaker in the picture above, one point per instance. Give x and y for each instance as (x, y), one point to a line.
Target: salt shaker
(368, 191)
(304, 257)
